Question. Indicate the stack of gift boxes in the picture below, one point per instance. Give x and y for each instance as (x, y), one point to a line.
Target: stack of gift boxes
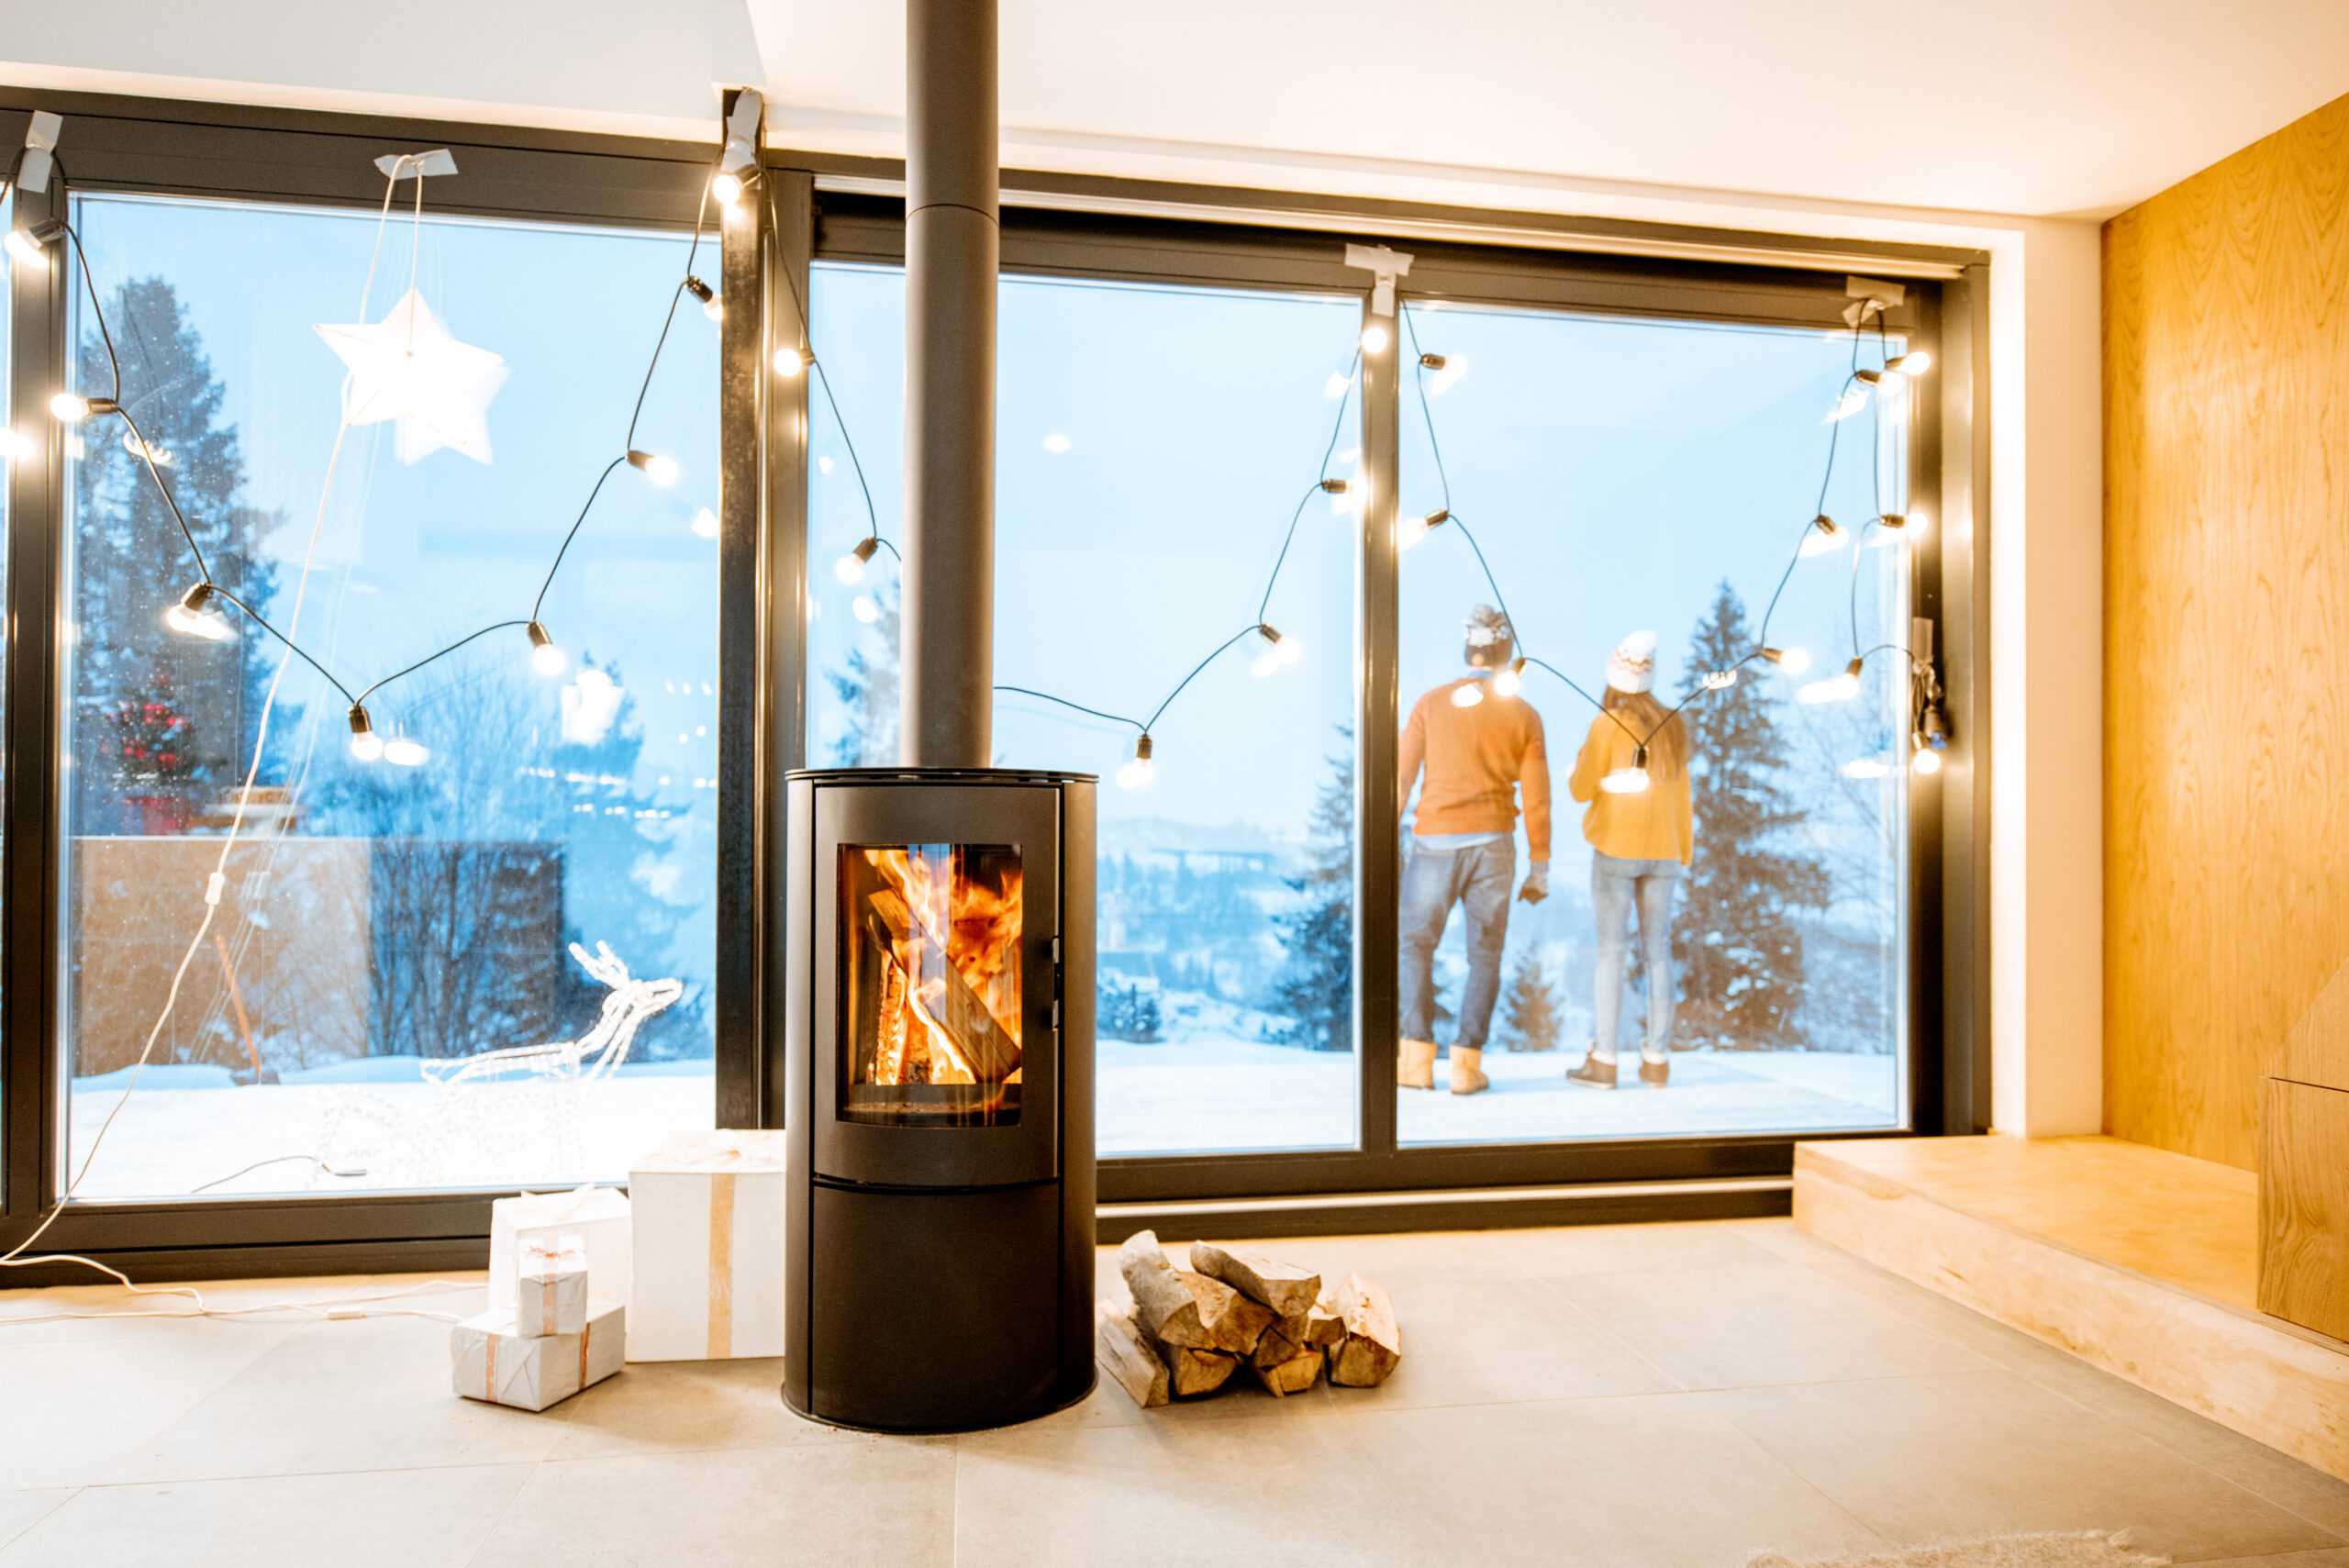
(687, 1266)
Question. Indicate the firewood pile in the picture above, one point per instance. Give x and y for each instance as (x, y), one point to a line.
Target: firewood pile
(1189, 1331)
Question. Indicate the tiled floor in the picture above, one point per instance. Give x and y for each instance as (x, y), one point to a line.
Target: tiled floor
(1622, 1395)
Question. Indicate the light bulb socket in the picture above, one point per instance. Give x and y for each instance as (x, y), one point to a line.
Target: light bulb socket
(1640, 756)
(1432, 362)
(1854, 667)
(539, 636)
(1334, 486)
(359, 724)
(699, 290)
(1142, 748)
(1894, 521)
(1868, 378)
(1437, 518)
(1932, 726)
(1775, 655)
(1827, 525)
(194, 600)
(865, 549)
(1266, 631)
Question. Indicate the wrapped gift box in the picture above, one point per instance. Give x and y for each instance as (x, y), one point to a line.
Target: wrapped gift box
(492, 1361)
(598, 1216)
(707, 1271)
(553, 1290)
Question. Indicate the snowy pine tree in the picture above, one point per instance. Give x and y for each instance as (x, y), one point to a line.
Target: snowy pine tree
(132, 562)
(1315, 989)
(1736, 942)
(867, 688)
(1529, 1007)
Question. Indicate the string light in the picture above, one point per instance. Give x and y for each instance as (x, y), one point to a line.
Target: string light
(864, 609)
(1468, 694)
(1411, 531)
(1852, 402)
(1279, 651)
(73, 407)
(365, 744)
(1632, 780)
(790, 361)
(1136, 773)
(711, 305)
(659, 469)
(16, 444)
(1793, 660)
(193, 615)
(706, 523)
(728, 188)
(545, 657)
(1865, 768)
(402, 752)
(1826, 535)
(1374, 339)
(1926, 760)
(31, 244)
(1337, 383)
(1506, 682)
(1915, 363)
(1835, 688)
(1720, 679)
(850, 568)
(1447, 368)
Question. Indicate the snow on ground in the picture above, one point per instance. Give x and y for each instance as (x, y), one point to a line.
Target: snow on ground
(184, 1128)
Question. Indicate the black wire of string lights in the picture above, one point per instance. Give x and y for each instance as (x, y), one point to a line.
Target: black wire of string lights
(192, 613)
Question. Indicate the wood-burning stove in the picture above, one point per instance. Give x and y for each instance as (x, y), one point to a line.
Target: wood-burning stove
(938, 1096)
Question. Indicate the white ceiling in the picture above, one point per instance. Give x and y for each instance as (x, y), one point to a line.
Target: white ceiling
(2035, 108)
(2029, 107)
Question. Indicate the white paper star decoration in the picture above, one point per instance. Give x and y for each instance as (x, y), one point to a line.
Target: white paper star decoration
(407, 368)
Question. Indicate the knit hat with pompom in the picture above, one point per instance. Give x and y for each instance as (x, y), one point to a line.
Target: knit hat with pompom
(1631, 667)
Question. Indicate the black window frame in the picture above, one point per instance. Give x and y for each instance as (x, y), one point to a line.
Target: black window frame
(835, 208)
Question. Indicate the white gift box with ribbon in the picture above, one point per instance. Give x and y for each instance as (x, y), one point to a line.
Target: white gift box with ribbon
(598, 1216)
(708, 1241)
(491, 1362)
(553, 1294)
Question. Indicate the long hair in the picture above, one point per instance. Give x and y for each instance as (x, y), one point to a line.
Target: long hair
(1644, 715)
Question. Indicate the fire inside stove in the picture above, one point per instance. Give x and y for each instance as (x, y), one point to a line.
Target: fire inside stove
(930, 985)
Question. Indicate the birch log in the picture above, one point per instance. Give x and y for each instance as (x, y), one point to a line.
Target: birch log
(1126, 1354)
(1372, 1344)
(1285, 1288)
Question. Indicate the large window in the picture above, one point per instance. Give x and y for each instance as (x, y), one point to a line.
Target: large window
(1649, 485)
(1157, 446)
(399, 918)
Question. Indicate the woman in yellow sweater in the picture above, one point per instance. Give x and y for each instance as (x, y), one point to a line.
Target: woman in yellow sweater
(1641, 832)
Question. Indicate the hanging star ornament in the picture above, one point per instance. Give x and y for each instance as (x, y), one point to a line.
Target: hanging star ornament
(407, 368)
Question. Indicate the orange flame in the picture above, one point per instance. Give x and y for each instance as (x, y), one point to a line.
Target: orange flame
(950, 921)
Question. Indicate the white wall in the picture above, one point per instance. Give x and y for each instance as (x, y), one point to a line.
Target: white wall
(598, 65)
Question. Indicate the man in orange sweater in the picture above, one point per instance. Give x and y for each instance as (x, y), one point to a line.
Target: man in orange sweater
(1481, 751)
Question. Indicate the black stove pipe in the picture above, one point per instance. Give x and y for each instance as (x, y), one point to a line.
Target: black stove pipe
(952, 243)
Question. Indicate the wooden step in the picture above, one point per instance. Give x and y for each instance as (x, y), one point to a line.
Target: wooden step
(2138, 1261)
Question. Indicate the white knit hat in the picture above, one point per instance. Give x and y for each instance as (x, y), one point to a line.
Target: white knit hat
(1631, 667)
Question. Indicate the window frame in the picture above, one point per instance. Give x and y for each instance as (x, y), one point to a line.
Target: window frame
(850, 209)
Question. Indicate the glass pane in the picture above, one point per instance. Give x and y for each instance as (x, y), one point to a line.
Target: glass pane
(474, 947)
(1155, 446)
(930, 984)
(1728, 913)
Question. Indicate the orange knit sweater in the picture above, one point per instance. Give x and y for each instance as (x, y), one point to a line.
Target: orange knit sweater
(1474, 756)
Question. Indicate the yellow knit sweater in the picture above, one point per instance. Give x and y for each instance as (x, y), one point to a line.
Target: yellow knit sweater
(1653, 825)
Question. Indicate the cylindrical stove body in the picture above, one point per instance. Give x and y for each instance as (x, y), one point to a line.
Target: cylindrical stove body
(938, 1096)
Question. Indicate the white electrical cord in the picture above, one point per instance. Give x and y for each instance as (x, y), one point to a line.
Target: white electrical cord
(339, 1310)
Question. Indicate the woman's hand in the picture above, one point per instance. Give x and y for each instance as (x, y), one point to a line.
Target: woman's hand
(1537, 885)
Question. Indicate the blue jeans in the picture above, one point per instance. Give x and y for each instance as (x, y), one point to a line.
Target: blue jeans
(1478, 879)
(1615, 886)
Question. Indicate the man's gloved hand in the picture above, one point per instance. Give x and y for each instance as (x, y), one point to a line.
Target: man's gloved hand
(1537, 885)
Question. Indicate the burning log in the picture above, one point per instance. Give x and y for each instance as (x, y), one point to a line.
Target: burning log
(1129, 1358)
(959, 1024)
(1373, 1344)
(1285, 1289)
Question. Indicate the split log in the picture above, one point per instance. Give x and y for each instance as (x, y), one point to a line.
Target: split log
(1294, 1376)
(1195, 1371)
(1324, 1328)
(1128, 1356)
(1233, 1322)
(1287, 1290)
(1163, 1305)
(1373, 1344)
(1312, 1330)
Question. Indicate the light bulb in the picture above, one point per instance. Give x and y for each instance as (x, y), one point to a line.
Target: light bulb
(192, 615)
(1835, 688)
(1468, 694)
(1720, 679)
(850, 568)
(1411, 531)
(657, 468)
(545, 657)
(1864, 768)
(1136, 773)
(864, 609)
(1506, 682)
(1824, 536)
(1793, 660)
(790, 361)
(16, 444)
(367, 748)
(69, 407)
(1916, 361)
(706, 523)
(1455, 366)
(1374, 339)
(1926, 760)
(1851, 403)
(402, 752)
(25, 247)
(1337, 383)
(711, 305)
(726, 188)
(1291, 650)
(1266, 662)
(1625, 781)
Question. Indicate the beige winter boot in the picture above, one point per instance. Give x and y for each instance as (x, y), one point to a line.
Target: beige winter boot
(1415, 1068)
(1465, 1078)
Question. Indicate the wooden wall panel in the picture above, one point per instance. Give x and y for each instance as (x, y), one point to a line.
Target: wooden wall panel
(2226, 718)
